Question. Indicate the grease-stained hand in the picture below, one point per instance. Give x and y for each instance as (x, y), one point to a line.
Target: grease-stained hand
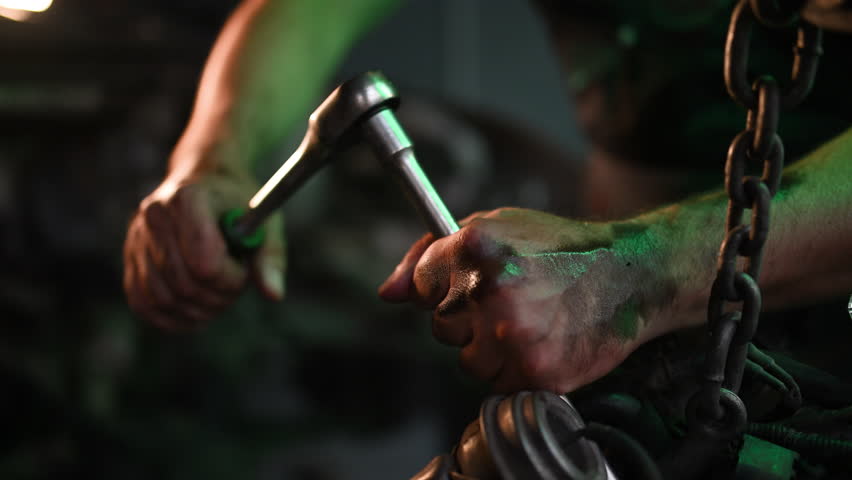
(177, 270)
(535, 300)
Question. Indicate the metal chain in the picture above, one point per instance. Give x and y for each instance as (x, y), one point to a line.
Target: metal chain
(716, 406)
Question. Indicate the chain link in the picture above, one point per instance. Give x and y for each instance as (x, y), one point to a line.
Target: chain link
(806, 53)
(716, 405)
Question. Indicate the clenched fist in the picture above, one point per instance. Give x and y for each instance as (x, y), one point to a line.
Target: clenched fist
(535, 300)
(178, 273)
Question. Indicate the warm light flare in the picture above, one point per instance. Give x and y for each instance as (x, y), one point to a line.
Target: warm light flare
(16, 15)
(27, 5)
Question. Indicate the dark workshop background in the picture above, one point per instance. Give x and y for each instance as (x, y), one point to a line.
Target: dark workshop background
(332, 384)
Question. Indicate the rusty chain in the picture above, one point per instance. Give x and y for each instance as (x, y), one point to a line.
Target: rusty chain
(716, 406)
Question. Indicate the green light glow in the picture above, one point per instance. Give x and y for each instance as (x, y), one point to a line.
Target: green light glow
(568, 264)
(511, 270)
(760, 455)
(385, 89)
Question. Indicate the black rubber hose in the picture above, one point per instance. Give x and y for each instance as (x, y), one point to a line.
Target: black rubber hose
(830, 450)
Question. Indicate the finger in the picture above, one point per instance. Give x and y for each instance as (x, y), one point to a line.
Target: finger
(172, 268)
(171, 320)
(184, 311)
(211, 281)
(153, 289)
(431, 279)
(138, 302)
(145, 294)
(483, 357)
(454, 328)
(131, 282)
(128, 279)
(479, 214)
(481, 361)
(131, 245)
(398, 285)
(465, 260)
(270, 262)
(202, 245)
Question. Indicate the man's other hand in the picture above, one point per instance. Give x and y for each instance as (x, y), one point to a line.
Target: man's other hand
(177, 270)
(535, 300)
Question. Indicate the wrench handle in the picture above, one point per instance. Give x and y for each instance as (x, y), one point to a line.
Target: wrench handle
(241, 228)
(238, 241)
(394, 150)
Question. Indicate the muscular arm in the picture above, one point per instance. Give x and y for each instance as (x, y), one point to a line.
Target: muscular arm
(539, 301)
(270, 62)
(808, 254)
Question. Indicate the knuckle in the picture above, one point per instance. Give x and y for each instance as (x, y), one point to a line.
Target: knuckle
(474, 238)
(181, 197)
(503, 212)
(480, 243)
(152, 212)
(426, 288)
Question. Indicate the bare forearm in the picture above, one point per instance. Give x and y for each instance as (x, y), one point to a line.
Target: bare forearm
(807, 255)
(268, 65)
(809, 252)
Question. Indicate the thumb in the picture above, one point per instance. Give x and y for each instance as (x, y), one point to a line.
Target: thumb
(395, 289)
(270, 262)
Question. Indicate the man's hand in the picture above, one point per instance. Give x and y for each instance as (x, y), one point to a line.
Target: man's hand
(538, 301)
(535, 300)
(178, 273)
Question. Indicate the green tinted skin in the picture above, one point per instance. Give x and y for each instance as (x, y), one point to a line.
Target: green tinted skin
(268, 68)
(806, 256)
(625, 323)
(260, 81)
(547, 302)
